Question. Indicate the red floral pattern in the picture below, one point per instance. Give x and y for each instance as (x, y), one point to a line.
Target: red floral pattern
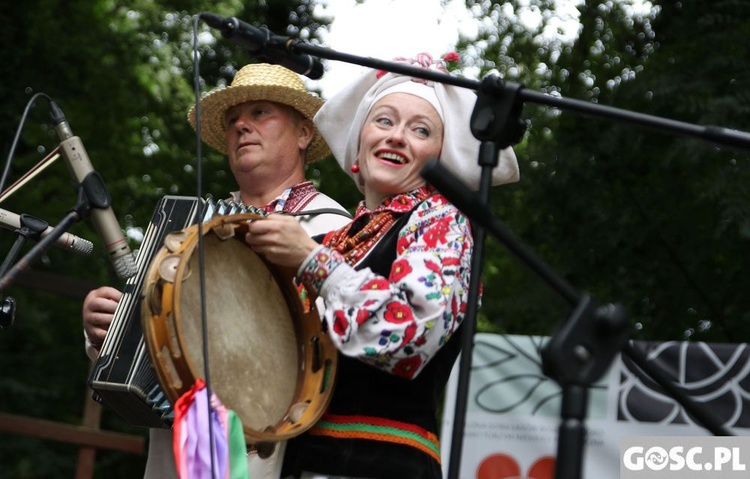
(408, 367)
(398, 323)
(400, 269)
(340, 323)
(375, 284)
(437, 234)
(397, 313)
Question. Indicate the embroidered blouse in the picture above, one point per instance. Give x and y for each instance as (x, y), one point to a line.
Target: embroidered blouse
(398, 323)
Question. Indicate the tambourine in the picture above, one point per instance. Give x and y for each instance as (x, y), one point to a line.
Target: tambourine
(270, 360)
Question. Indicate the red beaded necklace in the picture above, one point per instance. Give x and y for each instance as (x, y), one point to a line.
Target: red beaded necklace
(354, 244)
(354, 247)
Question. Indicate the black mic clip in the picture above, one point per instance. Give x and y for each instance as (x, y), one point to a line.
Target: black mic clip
(7, 313)
(95, 191)
(262, 43)
(255, 40)
(31, 227)
(497, 113)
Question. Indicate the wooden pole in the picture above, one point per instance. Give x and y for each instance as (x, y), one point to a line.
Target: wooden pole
(80, 435)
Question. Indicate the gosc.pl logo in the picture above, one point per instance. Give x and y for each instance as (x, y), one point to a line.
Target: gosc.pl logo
(679, 458)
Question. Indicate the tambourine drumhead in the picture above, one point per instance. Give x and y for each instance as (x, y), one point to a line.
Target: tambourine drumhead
(269, 359)
(251, 338)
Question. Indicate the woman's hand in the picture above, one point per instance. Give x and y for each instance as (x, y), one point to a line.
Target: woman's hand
(280, 239)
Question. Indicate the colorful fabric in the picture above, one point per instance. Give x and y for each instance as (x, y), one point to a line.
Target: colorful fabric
(397, 323)
(378, 429)
(237, 448)
(195, 455)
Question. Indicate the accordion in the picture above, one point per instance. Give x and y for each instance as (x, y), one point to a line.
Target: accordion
(123, 377)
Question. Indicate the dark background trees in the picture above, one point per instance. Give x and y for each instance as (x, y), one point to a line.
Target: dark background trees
(655, 221)
(652, 220)
(122, 72)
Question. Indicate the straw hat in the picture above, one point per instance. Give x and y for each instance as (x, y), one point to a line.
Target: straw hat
(259, 81)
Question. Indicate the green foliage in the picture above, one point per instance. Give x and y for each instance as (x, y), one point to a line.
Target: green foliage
(656, 222)
(123, 74)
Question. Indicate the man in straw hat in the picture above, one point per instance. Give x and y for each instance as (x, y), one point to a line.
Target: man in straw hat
(263, 123)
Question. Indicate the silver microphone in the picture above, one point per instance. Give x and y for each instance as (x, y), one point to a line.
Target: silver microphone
(67, 241)
(92, 183)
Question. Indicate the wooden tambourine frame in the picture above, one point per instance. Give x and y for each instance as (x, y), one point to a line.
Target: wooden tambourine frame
(259, 331)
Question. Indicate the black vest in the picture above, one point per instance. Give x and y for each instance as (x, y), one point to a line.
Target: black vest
(364, 390)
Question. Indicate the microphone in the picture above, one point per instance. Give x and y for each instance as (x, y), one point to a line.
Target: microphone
(261, 42)
(66, 241)
(103, 217)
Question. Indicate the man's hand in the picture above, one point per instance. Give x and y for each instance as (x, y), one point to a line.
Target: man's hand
(98, 312)
(281, 239)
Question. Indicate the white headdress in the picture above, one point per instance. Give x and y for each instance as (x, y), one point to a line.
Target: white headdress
(341, 118)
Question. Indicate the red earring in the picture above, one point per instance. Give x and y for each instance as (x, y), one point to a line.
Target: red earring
(355, 168)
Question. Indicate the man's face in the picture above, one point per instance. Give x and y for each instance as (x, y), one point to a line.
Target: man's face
(265, 135)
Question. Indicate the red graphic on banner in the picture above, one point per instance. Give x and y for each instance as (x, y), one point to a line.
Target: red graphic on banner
(503, 466)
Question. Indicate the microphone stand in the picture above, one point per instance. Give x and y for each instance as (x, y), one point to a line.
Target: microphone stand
(584, 345)
(77, 213)
(715, 134)
(496, 122)
(32, 228)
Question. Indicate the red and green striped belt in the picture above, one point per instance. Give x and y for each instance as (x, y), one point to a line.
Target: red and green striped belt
(378, 429)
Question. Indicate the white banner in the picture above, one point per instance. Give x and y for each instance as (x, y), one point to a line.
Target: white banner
(513, 410)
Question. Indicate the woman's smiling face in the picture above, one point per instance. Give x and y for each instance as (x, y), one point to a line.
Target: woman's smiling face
(400, 134)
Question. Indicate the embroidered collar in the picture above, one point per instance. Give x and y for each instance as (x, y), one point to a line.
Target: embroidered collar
(291, 200)
(400, 203)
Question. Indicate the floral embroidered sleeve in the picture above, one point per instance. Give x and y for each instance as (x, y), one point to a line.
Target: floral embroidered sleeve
(398, 323)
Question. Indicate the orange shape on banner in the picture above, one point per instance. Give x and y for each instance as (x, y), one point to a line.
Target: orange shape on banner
(503, 466)
(498, 466)
(543, 468)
